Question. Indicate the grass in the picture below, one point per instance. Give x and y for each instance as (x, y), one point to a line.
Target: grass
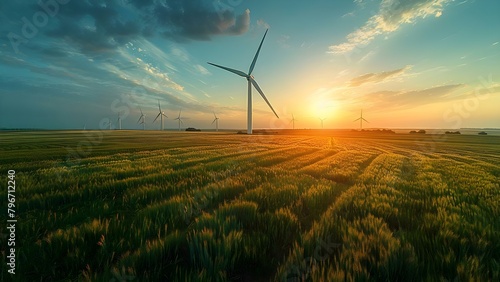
(154, 206)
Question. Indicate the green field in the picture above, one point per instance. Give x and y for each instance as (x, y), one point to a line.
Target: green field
(168, 206)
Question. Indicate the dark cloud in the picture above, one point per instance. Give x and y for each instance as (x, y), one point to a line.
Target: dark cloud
(376, 77)
(98, 26)
(192, 20)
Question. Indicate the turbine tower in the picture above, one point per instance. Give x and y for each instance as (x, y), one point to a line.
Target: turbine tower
(361, 119)
(293, 120)
(161, 114)
(180, 120)
(119, 122)
(322, 119)
(251, 81)
(142, 120)
(216, 120)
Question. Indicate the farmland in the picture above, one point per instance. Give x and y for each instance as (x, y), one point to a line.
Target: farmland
(166, 206)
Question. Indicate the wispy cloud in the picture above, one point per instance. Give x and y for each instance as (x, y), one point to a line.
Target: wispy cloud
(377, 77)
(403, 99)
(263, 24)
(391, 15)
(202, 69)
(283, 41)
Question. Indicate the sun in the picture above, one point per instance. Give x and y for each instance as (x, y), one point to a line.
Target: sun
(323, 106)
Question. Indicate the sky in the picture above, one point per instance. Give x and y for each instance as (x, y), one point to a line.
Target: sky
(68, 64)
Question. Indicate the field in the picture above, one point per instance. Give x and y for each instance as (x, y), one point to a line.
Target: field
(167, 206)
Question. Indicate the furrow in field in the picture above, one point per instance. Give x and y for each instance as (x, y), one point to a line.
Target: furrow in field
(341, 167)
(166, 177)
(315, 156)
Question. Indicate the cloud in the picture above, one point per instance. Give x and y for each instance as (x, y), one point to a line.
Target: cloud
(263, 24)
(202, 69)
(192, 20)
(377, 77)
(98, 26)
(403, 99)
(391, 15)
(283, 41)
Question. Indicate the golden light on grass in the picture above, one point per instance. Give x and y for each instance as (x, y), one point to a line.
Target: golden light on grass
(313, 207)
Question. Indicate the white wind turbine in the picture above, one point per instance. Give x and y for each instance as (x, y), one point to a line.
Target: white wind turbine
(216, 120)
(251, 81)
(161, 114)
(322, 119)
(110, 123)
(119, 122)
(293, 120)
(361, 119)
(142, 120)
(179, 119)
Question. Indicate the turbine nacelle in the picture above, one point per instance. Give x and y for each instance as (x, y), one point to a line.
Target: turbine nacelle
(251, 82)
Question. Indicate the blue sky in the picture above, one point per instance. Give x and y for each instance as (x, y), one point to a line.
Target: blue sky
(407, 64)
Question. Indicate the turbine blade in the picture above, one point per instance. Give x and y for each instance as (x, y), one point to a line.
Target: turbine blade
(214, 121)
(366, 120)
(157, 117)
(141, 111)
(263, 96)
(159, 108)
(139, 119)
(257, 54)
(240, 73)
(356, 119)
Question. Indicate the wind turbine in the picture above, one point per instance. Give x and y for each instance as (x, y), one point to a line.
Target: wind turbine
(180, 120)
(293, 121)
(161, 114)
(119, 122)
(251, 81)
(216, 120)
(361, 119)
(141, 119)
(110, 124)
(322, 119)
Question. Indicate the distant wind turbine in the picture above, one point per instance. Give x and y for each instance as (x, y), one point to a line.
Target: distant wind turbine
(251, 81)
(361, 119)
(110, 123)
(293, 120)
(180, 120)
(322, 119)
(216, 120)
(161, 114)
(142, 120)
(119, 122)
